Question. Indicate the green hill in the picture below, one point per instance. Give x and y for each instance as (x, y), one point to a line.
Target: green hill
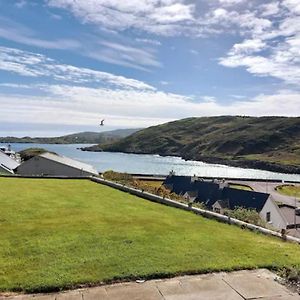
(271, 143)
(75, 138)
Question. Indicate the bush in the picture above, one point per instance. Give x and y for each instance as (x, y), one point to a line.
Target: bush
(246, 215)
(123, 178)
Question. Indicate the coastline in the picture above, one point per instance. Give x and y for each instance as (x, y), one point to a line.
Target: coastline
(242, 163)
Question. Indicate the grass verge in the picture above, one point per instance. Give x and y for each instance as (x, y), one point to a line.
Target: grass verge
(240, 187)
(289, 190)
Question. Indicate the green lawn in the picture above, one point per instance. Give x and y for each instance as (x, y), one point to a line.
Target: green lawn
(57, 234)
(240, 187)
(289, 190)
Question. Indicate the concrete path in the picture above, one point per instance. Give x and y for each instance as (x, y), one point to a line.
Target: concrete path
(258, 284)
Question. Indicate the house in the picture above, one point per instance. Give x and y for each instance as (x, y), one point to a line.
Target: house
(208, 192)
(219, 197)
(49, 164)
(7, 164)
(178, 184)
(291, 215)
(283, 216)
(231, 198)
(9, 152)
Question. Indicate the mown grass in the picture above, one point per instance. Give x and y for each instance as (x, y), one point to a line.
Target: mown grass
(57, 234)
(240, 187)
(289, 190)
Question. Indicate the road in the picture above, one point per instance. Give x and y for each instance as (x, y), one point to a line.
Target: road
(269, 187)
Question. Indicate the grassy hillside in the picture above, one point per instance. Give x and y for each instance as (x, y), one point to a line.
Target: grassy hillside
(75, 138)
(267, 142)
(64, 233)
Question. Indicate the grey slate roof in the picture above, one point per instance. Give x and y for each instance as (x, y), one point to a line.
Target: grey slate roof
(209, 192)
(246, 199)
(7, 162)
(69, 162)
(180, 184)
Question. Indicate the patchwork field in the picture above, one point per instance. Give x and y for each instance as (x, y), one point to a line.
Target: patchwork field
(57, 234)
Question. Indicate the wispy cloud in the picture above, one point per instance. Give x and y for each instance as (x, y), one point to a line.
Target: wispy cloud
(30, 64)
(16, 32)
(119, 53)
(20, 3)
(148, 41)
(125, 55)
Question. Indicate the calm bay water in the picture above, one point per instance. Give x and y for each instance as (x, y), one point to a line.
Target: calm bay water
(154, 164)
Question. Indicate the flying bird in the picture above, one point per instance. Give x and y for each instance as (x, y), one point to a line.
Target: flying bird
(102, 123)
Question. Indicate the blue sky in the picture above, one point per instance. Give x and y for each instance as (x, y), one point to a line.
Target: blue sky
(66, 64)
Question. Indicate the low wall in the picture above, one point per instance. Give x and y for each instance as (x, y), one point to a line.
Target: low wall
(161, 177)
(199, 211)
(15, 176)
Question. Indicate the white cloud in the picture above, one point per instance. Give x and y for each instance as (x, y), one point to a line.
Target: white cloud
(292, 5)
(270, 48)
(231, 2)
(276, 66)
(209, 99)
(154, 16)
(30, 64)
(149, 41)
(248, 47)
(193, 51)
(269, 9)
(20, 3)
(262, 26)
(77, 105)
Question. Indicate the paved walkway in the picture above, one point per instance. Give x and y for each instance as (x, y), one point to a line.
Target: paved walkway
(258, 284)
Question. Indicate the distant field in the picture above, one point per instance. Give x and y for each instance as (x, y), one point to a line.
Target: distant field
(58, 234)
(240, 187)
(289, 190)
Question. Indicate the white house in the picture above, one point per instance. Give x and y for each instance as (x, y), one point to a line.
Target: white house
(7, 164)
(49, 164)
(272, 214)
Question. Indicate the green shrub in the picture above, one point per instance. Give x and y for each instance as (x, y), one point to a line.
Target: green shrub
(247, 215)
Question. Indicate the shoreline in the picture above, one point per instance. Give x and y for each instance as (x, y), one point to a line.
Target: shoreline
(246, 164)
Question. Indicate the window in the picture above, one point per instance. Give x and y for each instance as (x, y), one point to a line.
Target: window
(268, 216)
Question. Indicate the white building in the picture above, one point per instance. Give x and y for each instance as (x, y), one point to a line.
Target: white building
(7, 164)
(282, 216)
(49, 164)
